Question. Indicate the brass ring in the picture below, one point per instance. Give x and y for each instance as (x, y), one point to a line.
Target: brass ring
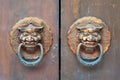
(89, 63)
(26, 63)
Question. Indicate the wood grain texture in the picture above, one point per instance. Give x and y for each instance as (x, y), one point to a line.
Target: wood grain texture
(10, 12)
(108, 11)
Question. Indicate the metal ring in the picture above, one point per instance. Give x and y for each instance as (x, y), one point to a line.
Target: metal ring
(88, 63)
(26, 63)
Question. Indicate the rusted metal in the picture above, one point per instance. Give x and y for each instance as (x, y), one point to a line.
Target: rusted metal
(89, 31)
(30, 32)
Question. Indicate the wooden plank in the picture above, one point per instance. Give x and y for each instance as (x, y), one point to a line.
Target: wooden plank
(108, 11)
(10, 12)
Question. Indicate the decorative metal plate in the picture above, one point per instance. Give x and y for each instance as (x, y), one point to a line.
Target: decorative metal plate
(73, 33)
(47, 37)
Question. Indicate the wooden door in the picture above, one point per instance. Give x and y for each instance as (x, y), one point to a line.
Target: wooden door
(109, 67)
(11, 11)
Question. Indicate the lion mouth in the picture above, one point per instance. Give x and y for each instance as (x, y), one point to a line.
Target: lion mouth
(90, 44)
(30, 44)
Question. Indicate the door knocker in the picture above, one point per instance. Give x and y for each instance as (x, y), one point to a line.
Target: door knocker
(89, 38)
(31, 38)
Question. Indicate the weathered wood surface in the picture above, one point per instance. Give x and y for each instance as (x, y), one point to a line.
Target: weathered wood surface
(108, 11)
(10, 12)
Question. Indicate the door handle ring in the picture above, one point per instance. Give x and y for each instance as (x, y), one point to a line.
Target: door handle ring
(88, 62)
(26, 63)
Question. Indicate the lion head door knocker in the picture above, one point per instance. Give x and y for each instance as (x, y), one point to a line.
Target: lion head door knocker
(31, 38)
(89, 39)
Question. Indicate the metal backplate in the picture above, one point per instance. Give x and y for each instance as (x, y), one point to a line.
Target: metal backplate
(73, 33)
(46, 33)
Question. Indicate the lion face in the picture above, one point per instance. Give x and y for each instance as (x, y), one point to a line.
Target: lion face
(30, 39)
(30, 36)
(89, 35)
(89, 39)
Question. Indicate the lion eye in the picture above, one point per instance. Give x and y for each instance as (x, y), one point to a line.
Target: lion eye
(95, 34)
(25, 34)
(86, 34)
(34, 34)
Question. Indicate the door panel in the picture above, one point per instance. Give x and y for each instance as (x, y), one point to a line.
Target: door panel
(108, 11)
(10, 12)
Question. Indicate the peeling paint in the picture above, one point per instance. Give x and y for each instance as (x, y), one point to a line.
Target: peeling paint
(53, 58)
(55, 46)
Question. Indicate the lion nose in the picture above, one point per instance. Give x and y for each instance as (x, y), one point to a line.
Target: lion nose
(29, 38)
(90, 38)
